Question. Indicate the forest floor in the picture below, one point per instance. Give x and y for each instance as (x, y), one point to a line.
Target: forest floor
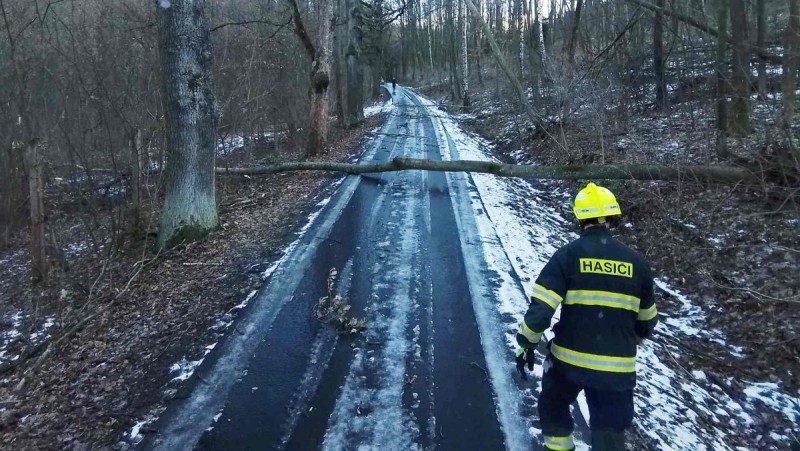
(145, 311)
(733, 249)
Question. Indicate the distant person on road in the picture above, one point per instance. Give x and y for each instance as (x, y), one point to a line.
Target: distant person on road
(394, 85)
(605, 290)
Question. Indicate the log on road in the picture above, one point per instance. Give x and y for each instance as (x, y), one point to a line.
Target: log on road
(709, 174)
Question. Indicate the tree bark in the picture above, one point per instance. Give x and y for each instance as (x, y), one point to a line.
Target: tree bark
(521, 36)
(713, 174)
(576, 22)
(320, 76)
(791, 61)
(722, 81)
(739, 119)
(8, 199)
(134, 215)
(658, 57)
(761, 40)
(350, 31)
(190, 209)
(36, 194)
(464, 54)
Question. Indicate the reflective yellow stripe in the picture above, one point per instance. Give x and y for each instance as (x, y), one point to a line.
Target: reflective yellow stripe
(529, 334)
(593, 361)
(603, 299)
(549, 297)
(559, 443)
(648, 313)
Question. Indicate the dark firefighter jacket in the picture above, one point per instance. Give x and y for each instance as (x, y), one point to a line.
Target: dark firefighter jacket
(606, 294)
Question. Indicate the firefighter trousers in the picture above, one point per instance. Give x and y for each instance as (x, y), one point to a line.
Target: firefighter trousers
(610, 412)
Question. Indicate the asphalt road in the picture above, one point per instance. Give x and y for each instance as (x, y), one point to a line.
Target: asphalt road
(416, 379)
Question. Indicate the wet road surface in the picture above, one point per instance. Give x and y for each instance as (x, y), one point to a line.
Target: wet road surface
(416, 379)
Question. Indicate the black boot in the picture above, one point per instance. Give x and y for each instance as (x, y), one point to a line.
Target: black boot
(608, 441)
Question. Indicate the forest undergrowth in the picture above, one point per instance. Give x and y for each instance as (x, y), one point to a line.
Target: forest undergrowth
(142, 310)
(733, 248)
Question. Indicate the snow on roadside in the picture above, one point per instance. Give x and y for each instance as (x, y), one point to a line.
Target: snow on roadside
(16, 327)
(229, 145)
(378, 108)
(183, 370)
(677, 410)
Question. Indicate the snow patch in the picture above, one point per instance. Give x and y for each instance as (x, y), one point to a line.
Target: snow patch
(517, 233)
(770, 395)
(183, 369)
(16, 325)
(378, 108)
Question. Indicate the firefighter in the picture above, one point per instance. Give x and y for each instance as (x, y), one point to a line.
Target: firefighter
(605, 291)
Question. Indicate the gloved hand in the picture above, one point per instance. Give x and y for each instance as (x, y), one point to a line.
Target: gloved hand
(524, 356)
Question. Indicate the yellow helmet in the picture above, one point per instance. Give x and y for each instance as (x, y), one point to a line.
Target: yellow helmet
(595, 202)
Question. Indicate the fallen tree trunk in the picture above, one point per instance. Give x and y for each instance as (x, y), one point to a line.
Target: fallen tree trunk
(710, 174)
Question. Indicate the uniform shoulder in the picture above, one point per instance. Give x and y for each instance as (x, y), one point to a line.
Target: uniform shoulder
(569, 248)
(634, 255)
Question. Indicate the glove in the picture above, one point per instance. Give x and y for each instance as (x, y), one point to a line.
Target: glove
(524, 356)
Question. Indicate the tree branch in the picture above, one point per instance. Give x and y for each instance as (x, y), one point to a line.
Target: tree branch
(250, 22)
(762, 53)
(710, 174)
(300, 30)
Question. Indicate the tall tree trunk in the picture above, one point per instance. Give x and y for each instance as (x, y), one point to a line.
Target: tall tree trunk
(464, 54)
(791, 62)
(739, 123)
(36, 193)
(134, 214)
(574, 35)
(190, 209)
(521, 36)
(658, 57)
(722, 81)
(8, 197)
(478, 44)
(430, 42)
(761, 40)
(320, 76)
(350, 33)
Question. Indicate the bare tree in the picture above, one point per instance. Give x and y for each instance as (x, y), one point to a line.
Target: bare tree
(464, 59)
(658, 57)
(739, 120)
(722, 81)
(320, 76)
(350, 34)
(791, 61)
(761, 40)
(574, 35)
(190, 209)
(34, 163)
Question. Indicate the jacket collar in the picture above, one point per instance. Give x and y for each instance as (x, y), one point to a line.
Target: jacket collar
(596, 231)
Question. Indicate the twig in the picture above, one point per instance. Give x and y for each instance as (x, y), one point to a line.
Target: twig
(485, 373)
(757, 295)
(52, 345)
